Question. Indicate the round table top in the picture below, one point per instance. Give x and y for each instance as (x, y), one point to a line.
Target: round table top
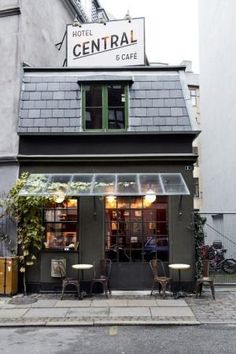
(179, 266)
(82, 266)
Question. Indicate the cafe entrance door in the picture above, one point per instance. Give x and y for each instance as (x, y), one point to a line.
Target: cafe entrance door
(136, 230)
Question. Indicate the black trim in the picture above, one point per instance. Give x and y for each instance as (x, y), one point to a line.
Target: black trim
(105, 145)
(8, 160)
(123, 68)
(13, 11)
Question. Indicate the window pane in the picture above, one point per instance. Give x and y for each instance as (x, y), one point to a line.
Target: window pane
(35, 185)
(60, 235)
(93, 118)
(127, 184)
(80, 184)
(93, 96)
(58, 183)
(104, 184)
(150, 184)
(116, 107)
(116, 96)
(173, 184)
(116, 118)
(93, 107)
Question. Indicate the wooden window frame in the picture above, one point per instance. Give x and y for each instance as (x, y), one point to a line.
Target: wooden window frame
(105, 107)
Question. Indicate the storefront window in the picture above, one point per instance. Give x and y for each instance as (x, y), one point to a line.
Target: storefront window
(135, 231)
(61, 224)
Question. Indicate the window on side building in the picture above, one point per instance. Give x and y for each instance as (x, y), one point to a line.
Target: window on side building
(193, 95)
(196, 187)
(105, 106)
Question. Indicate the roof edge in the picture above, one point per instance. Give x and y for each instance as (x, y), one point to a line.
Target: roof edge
(111, 68)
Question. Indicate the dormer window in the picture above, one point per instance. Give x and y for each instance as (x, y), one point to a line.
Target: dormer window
(105, 106)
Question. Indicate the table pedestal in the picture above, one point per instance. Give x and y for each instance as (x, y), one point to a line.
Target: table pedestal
(82, 267)
(179, 293)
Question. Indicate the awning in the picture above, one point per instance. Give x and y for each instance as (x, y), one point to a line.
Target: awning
(102, 184)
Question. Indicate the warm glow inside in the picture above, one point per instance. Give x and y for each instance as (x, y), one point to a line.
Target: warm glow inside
(111, 201)
(71, 203)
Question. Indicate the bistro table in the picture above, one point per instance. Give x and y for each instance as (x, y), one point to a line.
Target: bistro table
(179, 267)
(82, 267)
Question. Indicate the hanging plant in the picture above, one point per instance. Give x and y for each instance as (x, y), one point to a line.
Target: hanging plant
(27, 213)
(199, 236)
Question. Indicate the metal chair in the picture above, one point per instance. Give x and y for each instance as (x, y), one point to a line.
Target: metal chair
(67, 281)
(162, 280)
(102, 276)
(205, 279)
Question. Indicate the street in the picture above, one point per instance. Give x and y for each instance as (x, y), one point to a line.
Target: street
(120, 340)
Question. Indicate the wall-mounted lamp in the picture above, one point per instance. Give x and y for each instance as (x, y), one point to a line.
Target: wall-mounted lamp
(150, 196)
(59, 197)
(76, 23)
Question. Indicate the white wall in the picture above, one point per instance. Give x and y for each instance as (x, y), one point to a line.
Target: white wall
(27, 37)
(218, 104)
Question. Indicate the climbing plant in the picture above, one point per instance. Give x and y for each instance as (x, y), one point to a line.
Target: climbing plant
(27, 213)
(199, 236)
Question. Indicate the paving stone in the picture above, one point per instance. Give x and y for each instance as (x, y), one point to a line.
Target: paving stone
(171, 311)
(44, 303)
(130, 312)
(73, 303)
(171, 303)
(46, 312)
(12, 313)
(88, 312)
(142, 303)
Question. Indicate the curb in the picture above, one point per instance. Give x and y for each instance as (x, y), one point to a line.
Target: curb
(99, 323)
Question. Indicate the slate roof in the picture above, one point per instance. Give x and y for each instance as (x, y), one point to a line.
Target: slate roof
(51, 101)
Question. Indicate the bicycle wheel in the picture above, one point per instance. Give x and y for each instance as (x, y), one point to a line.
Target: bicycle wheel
(229, 266)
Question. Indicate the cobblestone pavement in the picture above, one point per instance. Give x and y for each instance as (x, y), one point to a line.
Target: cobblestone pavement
(222, 310)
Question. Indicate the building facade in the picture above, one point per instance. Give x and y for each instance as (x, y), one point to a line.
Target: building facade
(217, 56)
(109, 137)
(194, 92)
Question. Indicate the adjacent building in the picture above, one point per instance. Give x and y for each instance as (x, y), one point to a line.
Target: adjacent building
(31, 34)
(218, 109)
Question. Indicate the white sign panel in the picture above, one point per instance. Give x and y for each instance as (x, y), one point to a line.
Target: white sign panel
(117, 43)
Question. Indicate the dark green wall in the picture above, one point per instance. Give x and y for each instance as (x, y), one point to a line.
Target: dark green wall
(91, 216)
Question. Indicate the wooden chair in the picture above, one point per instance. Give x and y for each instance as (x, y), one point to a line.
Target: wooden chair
(205, 279)
(162, 280)
(67, 281)
(102, 276)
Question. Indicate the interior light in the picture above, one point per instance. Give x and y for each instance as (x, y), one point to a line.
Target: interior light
(150, 196)
(111, 198)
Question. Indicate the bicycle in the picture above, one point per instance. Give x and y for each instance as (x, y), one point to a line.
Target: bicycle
(218, 262)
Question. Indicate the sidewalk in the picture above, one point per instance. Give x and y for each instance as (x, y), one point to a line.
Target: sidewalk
(136, 308)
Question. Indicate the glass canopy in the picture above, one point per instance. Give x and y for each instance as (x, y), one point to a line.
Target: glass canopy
(103, 184)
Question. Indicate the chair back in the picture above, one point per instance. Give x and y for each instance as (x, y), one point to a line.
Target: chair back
(205, 268)
(61, 268)
(102, 268)
(157, 267)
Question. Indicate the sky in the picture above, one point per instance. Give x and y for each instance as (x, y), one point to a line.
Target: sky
(171, 27)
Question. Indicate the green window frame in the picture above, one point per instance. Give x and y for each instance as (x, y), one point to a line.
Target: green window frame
(103, 107)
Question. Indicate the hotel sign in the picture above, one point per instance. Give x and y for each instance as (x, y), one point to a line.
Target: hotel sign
(117, 43)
